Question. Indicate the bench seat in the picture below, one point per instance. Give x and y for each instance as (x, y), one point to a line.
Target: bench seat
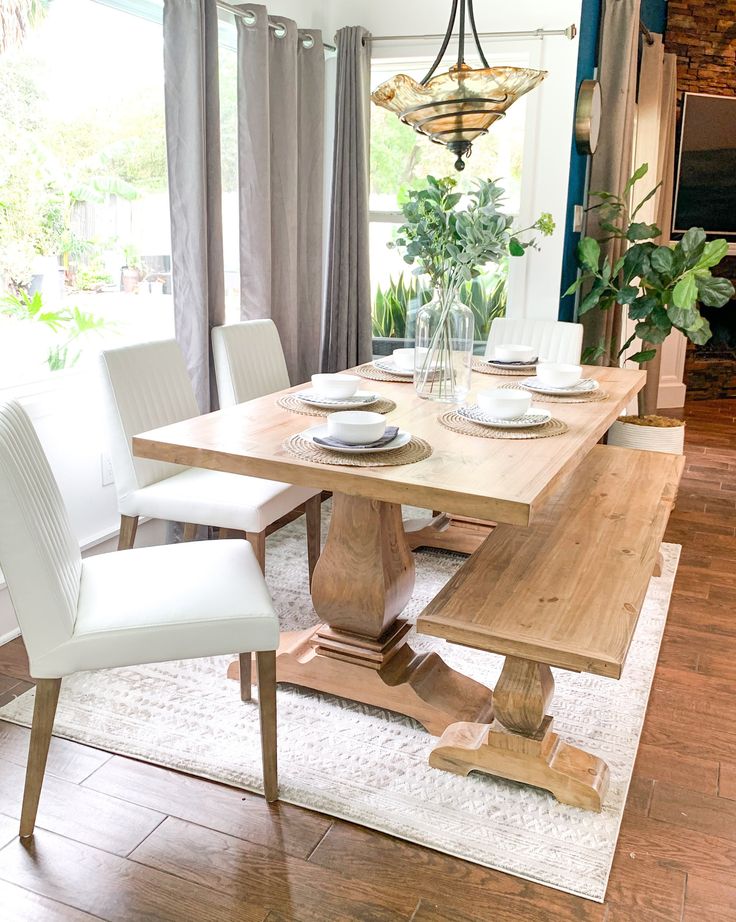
(565, 592)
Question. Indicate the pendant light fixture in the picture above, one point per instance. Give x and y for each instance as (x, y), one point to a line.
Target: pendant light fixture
(456, 107)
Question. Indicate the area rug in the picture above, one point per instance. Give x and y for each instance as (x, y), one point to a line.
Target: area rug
(370, 766)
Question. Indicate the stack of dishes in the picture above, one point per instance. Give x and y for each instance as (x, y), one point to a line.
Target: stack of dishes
(356, 432)
(400, 362)
(336, 392)
(505, 408)
(513, 356)
(559, 381)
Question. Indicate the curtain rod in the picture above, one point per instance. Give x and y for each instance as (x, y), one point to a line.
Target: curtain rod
(570, 32)
(646, 33)
(279, 28)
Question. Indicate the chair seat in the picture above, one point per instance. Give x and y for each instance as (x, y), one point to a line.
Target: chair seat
(216, 498)
(166, 603)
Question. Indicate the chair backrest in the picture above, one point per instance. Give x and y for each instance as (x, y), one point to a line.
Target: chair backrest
(145, 386)
(556, 341)
(249, 361)
(39, 554)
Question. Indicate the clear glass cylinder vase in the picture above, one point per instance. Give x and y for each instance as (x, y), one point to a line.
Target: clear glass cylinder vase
(443, 352)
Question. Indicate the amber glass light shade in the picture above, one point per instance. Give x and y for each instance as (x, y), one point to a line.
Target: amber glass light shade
(459, 106)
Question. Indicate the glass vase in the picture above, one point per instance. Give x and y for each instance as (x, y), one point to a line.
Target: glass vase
(443, 352)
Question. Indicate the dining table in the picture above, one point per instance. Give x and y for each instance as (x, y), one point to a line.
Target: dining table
(365, 575)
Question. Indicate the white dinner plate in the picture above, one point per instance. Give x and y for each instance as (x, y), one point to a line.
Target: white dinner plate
(529, 420)
(388, 365)
(584, 386)
(402, 438)
(501, 363)
(316, 399)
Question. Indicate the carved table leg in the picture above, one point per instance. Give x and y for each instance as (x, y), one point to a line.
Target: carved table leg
(520, 744)
(361, 583)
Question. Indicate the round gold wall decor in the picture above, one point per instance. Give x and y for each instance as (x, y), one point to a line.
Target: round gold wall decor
(588, 117)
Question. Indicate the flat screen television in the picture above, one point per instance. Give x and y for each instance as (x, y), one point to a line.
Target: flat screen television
(705, 191)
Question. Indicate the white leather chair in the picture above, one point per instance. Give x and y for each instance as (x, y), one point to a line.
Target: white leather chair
(249, 361)
(121, 609)
(556, 340)
(147, 386)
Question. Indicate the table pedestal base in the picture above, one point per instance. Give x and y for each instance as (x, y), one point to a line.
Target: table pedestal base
(385, 673)
(572, 775)
(520, 745)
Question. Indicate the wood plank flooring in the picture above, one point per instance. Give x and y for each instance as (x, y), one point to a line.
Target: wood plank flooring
(121, 840)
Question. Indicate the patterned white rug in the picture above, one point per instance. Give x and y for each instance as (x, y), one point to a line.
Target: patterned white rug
(370, 766)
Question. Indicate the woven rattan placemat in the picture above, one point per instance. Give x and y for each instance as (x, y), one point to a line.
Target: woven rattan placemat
(291, 402)
(453, 420)
(413, 451)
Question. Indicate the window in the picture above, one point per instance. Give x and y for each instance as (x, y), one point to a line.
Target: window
(400, 160)
(528, 151)
(84, 216)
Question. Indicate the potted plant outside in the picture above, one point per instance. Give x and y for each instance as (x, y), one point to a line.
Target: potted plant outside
(661, 288)
(395, 308)
(449, 237)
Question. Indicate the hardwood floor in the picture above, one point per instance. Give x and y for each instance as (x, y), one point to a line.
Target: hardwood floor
(122, 840)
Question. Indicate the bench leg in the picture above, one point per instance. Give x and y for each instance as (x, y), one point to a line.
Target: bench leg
(520, 744)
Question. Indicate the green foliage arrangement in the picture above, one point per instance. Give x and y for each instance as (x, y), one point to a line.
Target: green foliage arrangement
(450, 236)
(394, 307)
(661, 287)
(71, 323)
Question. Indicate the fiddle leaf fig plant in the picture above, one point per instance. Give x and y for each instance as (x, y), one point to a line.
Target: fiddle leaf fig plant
(661, 287)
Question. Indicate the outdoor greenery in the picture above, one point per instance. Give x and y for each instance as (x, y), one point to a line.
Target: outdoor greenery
(50, 164)
(70, 323)
(401, 159)
(394, 308)
(661, 287)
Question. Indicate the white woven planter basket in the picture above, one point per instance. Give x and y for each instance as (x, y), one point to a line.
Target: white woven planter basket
(648, 438)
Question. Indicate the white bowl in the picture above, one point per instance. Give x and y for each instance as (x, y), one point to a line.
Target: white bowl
(505, 403)
(356, 427)
(512, 353)
(336, 385)
(405, 358)
(551, 374)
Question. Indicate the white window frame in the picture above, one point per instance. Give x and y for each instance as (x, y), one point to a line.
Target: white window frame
(535, 279)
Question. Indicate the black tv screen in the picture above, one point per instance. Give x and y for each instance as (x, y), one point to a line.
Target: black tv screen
(705, 194)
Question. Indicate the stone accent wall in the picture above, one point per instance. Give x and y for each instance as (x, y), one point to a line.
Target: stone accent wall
(702, 33)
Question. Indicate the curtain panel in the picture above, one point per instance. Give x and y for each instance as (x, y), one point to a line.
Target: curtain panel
(195, 189)
(612, 163)
(280, 166)
(347, 324)
(655, 145)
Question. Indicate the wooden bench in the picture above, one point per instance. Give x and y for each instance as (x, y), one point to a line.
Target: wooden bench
(565, 592)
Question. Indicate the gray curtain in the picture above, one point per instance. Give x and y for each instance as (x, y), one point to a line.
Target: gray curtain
(195, 191)
(347, 327)
(612, 162)
(281, 163)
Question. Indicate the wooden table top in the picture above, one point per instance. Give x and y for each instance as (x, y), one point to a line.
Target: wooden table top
(502, 480)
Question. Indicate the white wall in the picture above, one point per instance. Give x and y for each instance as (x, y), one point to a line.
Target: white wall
(535, 280)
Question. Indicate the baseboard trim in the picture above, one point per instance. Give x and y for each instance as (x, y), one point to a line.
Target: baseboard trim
(11, 635)
(671, 394)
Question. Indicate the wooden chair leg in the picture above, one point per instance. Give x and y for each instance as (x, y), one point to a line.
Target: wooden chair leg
(47, 696)
(313, 513)
(128, 528)
(246, 663)
(190, 531)
(266, 662)
(258, 542)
